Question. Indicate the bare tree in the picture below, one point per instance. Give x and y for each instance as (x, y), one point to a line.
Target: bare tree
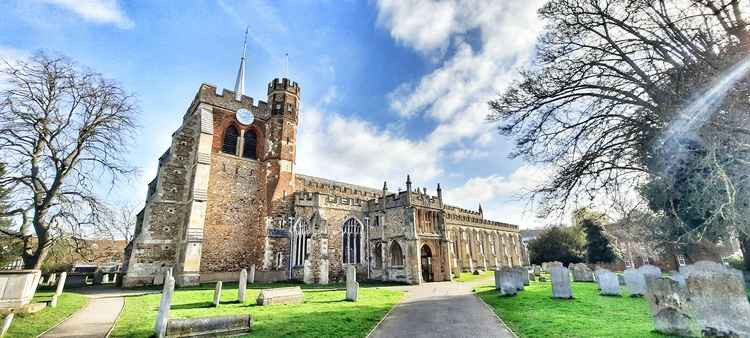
(63, 131)
(626, 92)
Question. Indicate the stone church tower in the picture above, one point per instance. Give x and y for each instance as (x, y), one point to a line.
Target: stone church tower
(227, 197)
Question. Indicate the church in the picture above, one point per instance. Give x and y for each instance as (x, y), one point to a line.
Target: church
(227, 196)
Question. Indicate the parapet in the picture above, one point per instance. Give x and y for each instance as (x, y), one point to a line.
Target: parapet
(285, 85)
(209, 94)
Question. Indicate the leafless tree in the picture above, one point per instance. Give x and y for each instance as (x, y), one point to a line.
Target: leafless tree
(619, 87)
(64, 130)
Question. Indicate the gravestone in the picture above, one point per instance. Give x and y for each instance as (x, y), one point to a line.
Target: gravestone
(608, 283)
(537, 270)
(716, 294)
(635, 282)
(242, 287)
(545, 267)
(560, 282)
(160, 328)
(670, 309)
(678, 277)
(505, 281)
(581, 273)
(291, 295)
(621, 279)
(542, 279)
(6, 323)
(518, 277)
(650, 271)
(217, 294)
(216, 326)
(352, 287)
(59, 289)
(159, 278)
(251, 275)
(532, 277)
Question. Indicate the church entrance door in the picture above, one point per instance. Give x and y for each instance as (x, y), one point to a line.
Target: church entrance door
(426, 254)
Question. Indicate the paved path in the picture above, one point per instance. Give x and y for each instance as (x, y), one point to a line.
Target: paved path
(444, 309)
(97, 317)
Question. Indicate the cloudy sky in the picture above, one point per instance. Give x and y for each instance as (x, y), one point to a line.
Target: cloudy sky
(389, 87)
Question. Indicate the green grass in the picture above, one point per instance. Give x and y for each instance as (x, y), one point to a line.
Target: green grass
(324, 313)
(533, 312)
(31, 325)
(469, 277)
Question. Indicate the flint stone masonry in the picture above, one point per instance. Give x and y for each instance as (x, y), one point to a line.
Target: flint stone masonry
(291, 295)
(608, 283)
(581, 273)
(210, 326)
(560, 282)
(505, 281)
(716, 294)
(352, 287)
(17, 287)
(635, 282)
(242, 287)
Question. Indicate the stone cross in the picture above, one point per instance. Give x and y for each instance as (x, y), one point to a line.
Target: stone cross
(242, 287)
(217, 294)
(352, 287)
(162, 317)
(59, 289)
(560, 282)
(608, 283)
(251, 276)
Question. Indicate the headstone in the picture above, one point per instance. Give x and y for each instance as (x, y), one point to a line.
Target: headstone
(560, 282)
(251, 276)
(59, 289)
(216, 326)
(160, 328)
(542, 279)
(669, 308)
(608, 283)
(532, 277)
(581, 273)
(352, 287)
(650, 271)
(505, 281)
(291, 295)
(323, 271)
(545, 267)
(716, 294)
(678, 277)
(6, 324)
(526, 275)
(217, 294)
(159, 278)
(537, 270)
(518, 277)
(635, 282)
(242, 287)
(621, 279)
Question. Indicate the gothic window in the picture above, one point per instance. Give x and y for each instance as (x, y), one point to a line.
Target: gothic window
(230, 141)
(397, 257)
(351, 241)
(249, 145)
(299, 243)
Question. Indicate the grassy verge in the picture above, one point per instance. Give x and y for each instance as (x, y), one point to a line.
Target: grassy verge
(324, 313)
(533, 313)
(469, 277)
(31, 325)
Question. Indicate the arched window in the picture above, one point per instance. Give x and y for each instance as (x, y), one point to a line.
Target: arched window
(397, 257)
(351, 241)
(249, 144)
(299, 242)
(230, 141)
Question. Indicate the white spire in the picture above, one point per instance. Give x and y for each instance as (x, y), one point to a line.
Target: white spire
(239, 84)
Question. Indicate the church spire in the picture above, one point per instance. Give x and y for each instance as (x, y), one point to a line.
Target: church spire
(239, 84)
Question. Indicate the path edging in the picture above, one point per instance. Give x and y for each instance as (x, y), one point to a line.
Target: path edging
(66, 318)
(403, 296)
(122, 308)
(491, 309)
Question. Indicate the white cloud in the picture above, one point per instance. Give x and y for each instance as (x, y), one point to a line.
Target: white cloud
(345, 148)
(98, 11)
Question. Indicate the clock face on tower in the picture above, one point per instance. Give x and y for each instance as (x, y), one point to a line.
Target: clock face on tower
(244, 116)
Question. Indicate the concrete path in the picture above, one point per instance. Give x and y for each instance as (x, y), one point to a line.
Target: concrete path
(97, 318)
(444, 309)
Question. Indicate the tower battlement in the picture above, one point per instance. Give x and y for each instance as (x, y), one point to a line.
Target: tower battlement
(209, 94)
(283, 84)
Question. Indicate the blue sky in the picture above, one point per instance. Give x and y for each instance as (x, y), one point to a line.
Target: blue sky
(389, 87)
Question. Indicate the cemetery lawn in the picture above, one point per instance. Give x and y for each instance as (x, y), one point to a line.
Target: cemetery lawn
(469, 277)
(31, 325)
(324, 313)
(533, 312)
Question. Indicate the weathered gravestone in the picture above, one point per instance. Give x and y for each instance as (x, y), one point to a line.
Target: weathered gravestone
(160, 327)
(581, 273)
(635, 282)
(217, 294)
(532, 277)
(352, 287)
(650, 271)
(608, 283)
(545, 266)
(537, 270)
(527, 277)
(59, 289)
(242, 287)
(217, 326)
(560, 282)
(518, 277)
(669, 308)
(505, 282)
(251, 275)
(678, 277)
(291, 295)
